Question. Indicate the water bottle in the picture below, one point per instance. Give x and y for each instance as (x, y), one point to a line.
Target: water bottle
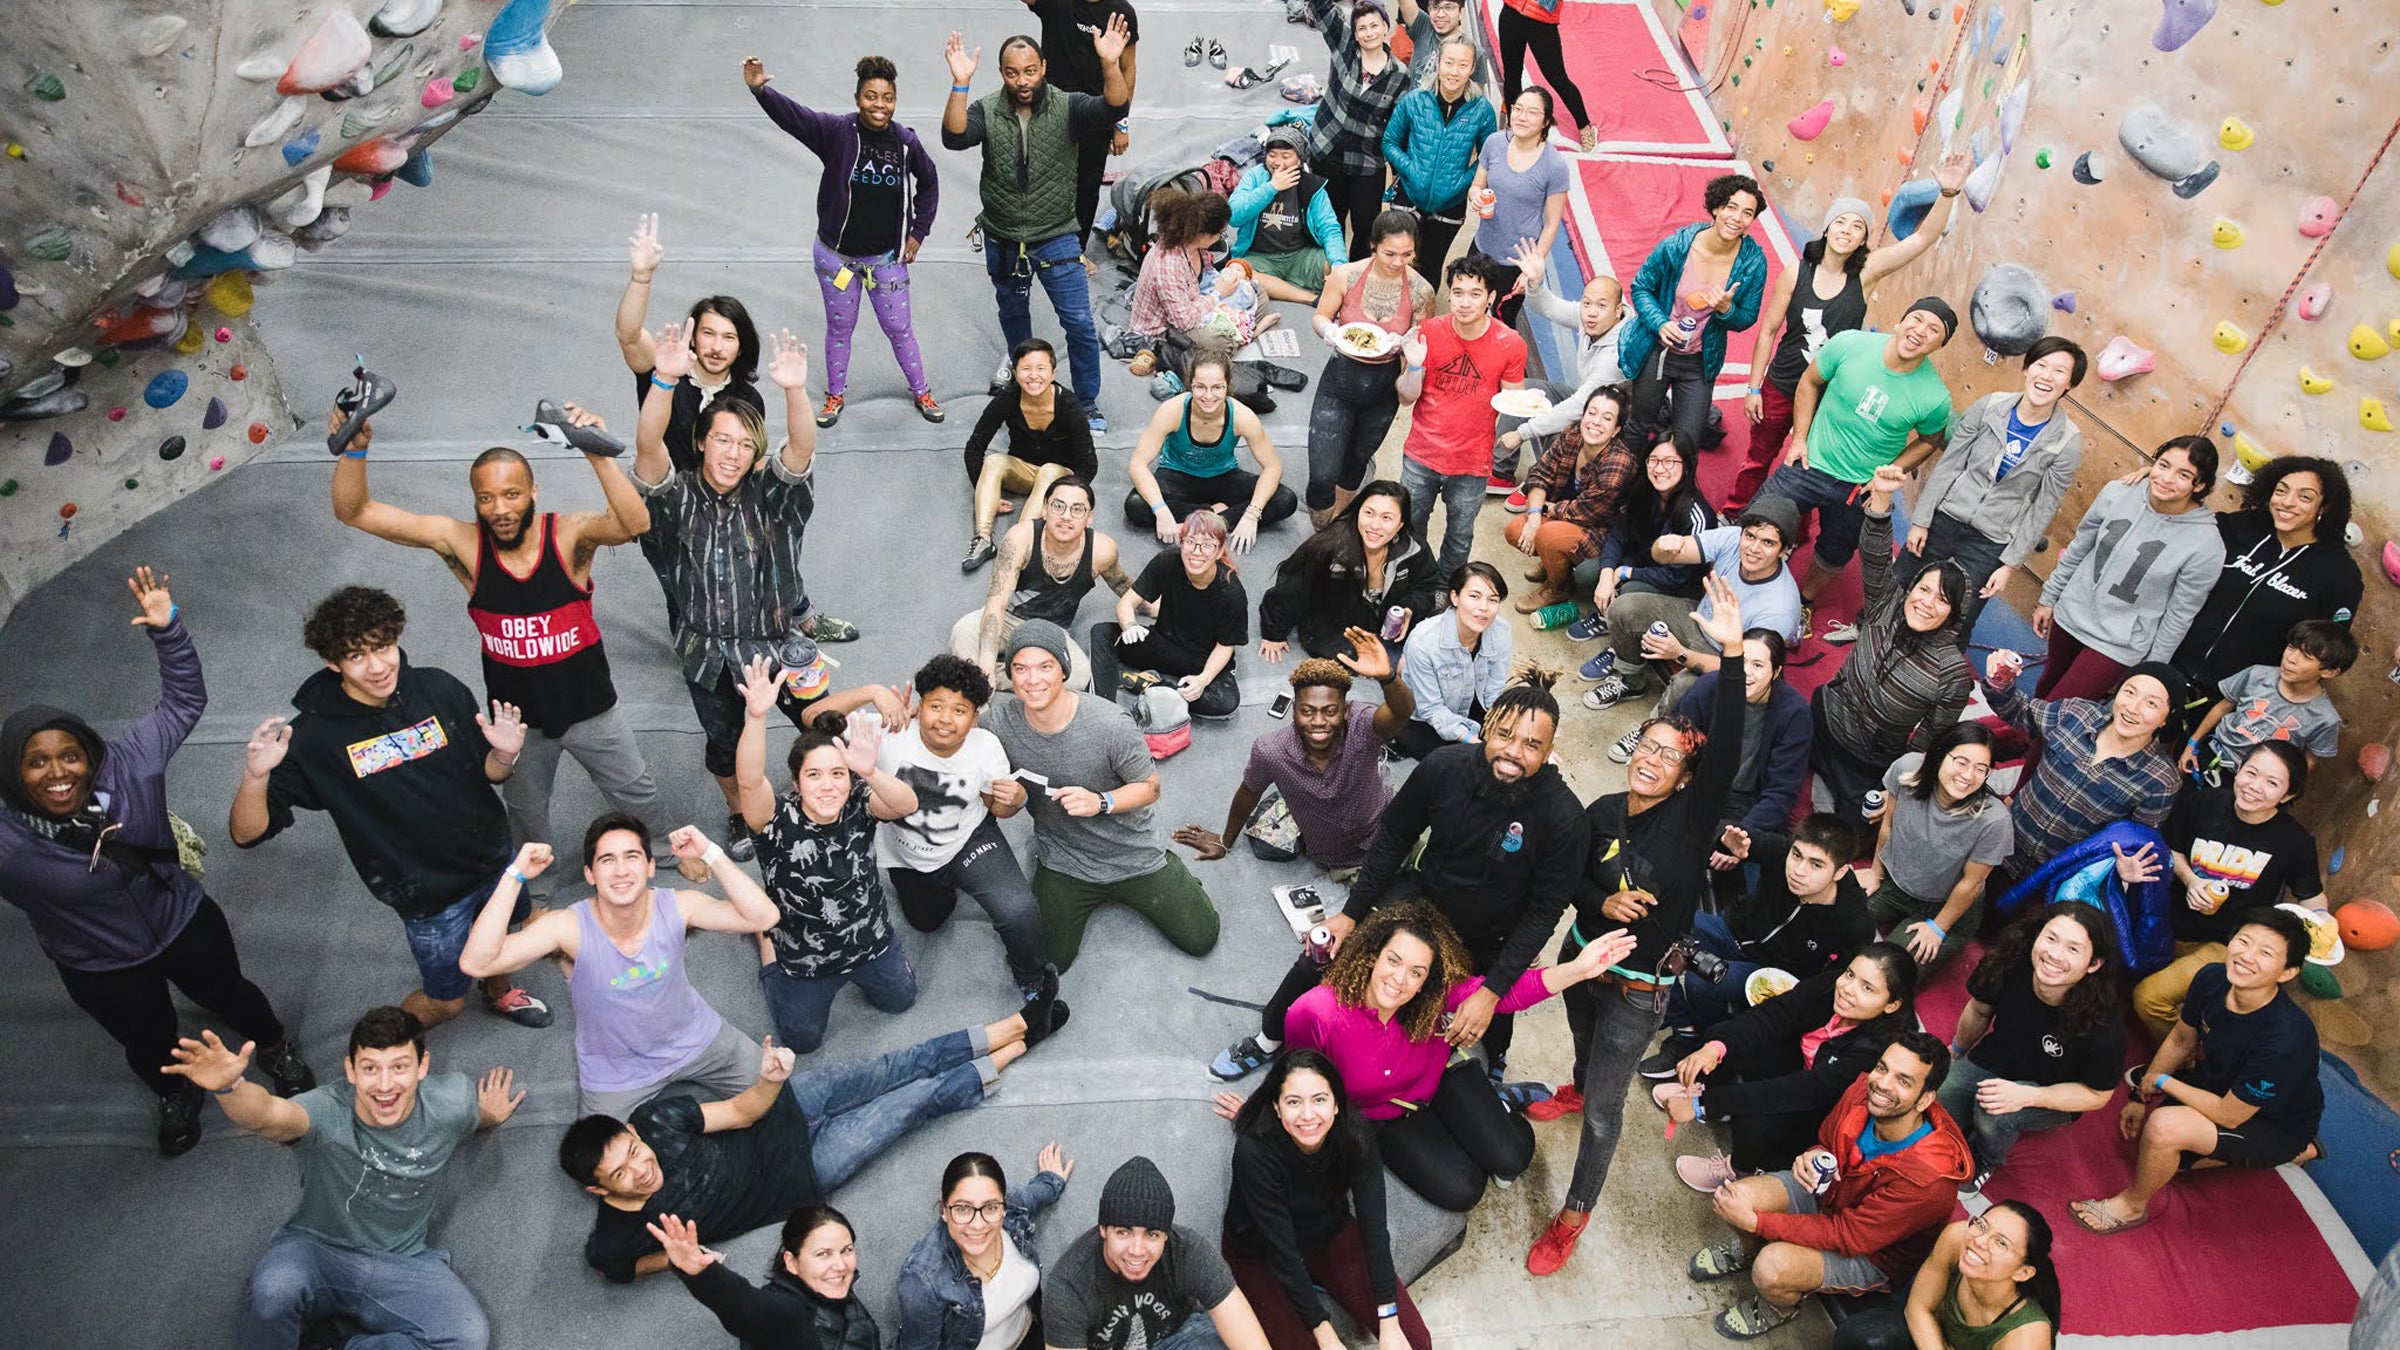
(1556, 616)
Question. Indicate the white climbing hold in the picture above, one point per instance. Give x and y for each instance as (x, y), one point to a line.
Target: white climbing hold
(273, 252)
(348, 193)
(262, 65)
(329, 57)
(1984, 181)
(153, 36)
(231, 231)
(304, 201)
(270, 128)
(405, 18)
(73, 356)
(2012, 115)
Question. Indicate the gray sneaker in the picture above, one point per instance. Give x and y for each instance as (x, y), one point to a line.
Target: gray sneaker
(740, 844)
(1622, 751)
(1720, 1261)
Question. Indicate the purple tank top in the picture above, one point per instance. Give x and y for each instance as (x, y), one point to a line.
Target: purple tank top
(637, 1020)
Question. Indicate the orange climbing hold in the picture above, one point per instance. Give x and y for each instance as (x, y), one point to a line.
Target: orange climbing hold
(2368, 925)
(258, 433)
(1905, 155)
(376, 157)
(2375, 761)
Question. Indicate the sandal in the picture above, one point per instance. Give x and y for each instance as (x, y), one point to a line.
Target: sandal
(2095, 1219)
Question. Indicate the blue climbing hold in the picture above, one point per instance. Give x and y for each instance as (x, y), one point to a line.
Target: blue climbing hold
(1909, 205)
(8, 288)
(300, 147)
(417, 169)
(2063, 302)
(214, 417)
(2334, 863)
(60, 451)
(2181, 20)
(171, 448)
(167, 387)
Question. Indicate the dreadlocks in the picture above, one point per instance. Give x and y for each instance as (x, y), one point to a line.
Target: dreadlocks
(1529, 692)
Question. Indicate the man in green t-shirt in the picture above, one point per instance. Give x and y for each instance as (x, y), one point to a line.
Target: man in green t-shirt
(1869, 399)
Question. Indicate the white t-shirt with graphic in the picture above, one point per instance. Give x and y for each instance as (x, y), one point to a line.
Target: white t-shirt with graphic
(949, 797)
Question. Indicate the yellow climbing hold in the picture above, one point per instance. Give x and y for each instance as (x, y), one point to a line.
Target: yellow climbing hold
(2225, 234)
(2391, 260)
(2372, 416)
(188, 342)
(2235, 134)
(2368, 345)
(1841, 10)
(229, 294)
(2250, 453)
(2313, 383)
(2229, 338)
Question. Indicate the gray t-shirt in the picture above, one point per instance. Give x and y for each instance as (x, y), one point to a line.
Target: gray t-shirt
(1930, 847)
(1087, 1305)
(372, 1190)
(1773, 604)
(2261, 713)
(1101, 750)
(1519, 199)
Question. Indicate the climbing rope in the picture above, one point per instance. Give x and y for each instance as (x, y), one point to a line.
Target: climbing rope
(1720, 69)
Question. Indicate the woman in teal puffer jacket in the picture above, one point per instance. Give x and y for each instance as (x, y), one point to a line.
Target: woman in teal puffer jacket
(1701, 282)
(1431, 143)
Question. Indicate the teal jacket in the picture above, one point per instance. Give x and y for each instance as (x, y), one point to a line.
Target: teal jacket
(1249, 202)
(1652, 298)
(1434, 159)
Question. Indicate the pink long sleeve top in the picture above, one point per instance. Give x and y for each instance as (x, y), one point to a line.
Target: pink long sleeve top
(1384, 1071)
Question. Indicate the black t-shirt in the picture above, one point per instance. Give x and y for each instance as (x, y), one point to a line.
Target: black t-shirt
(876, 184)
(2259, 862)
(1283, 225)
(683, 448)
(1777, 930)
(2267, 1058)
(1192, 622)
(2024, 1044)
(727, 1183)
(1068, 27)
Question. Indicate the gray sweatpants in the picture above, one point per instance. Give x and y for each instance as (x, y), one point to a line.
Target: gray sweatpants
(603, 744)
(725, 1069)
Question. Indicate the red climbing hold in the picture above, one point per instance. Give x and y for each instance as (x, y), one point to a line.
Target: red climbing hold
(258, 436)
(2374, 761)
(116, 414)
(2391, 561)
(239, 371)
(67, 511)
(381, 155)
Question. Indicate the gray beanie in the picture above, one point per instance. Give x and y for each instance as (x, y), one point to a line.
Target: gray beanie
(1137, 1196)
(1779, 512)
(1848, 206)
(1040, 633)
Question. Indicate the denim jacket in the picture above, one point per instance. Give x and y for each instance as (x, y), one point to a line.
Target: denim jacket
(1449, 680)
(941, 1305)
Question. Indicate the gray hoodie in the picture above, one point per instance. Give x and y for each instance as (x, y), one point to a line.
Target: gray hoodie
(2132, 580)
(2013, 512)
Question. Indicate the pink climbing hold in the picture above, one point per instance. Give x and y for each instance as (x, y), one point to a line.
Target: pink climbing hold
(215, 462)
(382, 186)
(1811, 124)
(224, 334)
(2319, 216)
(467, 41)
(1837, 57)
(378, 156)
(331, 55)
(438, 92)
(2123, 357)
(2391, 561)
(116, 414)
(2315, 301)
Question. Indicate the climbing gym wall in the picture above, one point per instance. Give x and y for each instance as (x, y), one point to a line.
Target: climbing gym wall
(163, 160)
(2199, 192)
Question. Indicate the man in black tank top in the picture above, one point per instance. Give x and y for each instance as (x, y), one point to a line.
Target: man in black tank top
(1033, 579)
(528, 575)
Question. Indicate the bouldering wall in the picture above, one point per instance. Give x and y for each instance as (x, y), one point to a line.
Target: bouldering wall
(2198, 191)
(160, 162)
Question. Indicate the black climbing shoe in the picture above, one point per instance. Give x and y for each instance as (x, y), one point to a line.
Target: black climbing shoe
(368, 394)
(550, 424)
(178, 1122)
(284, 1068)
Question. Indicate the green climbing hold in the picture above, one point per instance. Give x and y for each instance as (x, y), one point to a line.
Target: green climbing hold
(9, 488)
(468, 79)
(46, 87)
(132, 483)
(1745, 63)
(108, 358)
(1737, 81)
(2041, 158)
(1987, 85)
(52, 244)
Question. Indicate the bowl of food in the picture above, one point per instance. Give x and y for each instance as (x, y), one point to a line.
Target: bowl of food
(1365, 340)
(1767, 982)
(2324, 935)
(1520, 402)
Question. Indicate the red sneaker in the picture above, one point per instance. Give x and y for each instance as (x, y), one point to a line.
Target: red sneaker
(1555, 1245)
(1499, 485)
(1516, 502)
(1566, 1100)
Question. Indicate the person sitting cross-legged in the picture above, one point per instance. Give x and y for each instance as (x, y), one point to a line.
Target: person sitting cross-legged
(1199, 616)
(1857, 1211)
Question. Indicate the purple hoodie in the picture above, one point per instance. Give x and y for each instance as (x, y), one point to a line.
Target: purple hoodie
(834, 137)
(109, 917)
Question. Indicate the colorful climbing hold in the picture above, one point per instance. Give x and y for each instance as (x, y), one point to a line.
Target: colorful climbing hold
(66, 511)
(171, 449)
(46, 86)
(258, 433)
(215, 463)
(2041, 158)
(1983, 182)
(116, 414)
(214, 417)
(188, 337)
(2063, 302)
(2391, 262)
(1841, 11)
(2391, 561)
(2313, 383)
(378, 156)
(166, 388)
(1837, 57)
(2315, 301)
(239, 372)
(2122, 357)
(2181, 19)
(132, 483)
(2225, 233)
(2249, 454)
(61, 449)
(2090, 168)
(9, 488)
(1811, 124)
(329, 56)
(223, 334)
(2368, 345)
(417, 169)
(2318, 217)
(2371, 414)
(437, 92)
(2374, 761)
(467, 41)
(2228, 337)
(468, 80)
(300, 147)
(2235, 134)
(51, 243)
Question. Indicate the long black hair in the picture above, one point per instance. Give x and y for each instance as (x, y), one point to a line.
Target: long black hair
(1951, 580)
(1344, 1144)
(2090, 1001)
(2042, 1288)
(1647, 515)
(1925, 780)
(804, 1221)
(1338, 544)
(744, 369)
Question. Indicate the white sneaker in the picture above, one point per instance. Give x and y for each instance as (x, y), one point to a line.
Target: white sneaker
(1622, 751)
(1841, 634)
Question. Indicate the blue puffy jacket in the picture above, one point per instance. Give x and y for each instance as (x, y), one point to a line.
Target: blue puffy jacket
(1249, 201)
(2088, 872)
(1435, 159)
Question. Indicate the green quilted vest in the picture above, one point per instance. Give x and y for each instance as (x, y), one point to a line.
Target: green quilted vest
(1028, 182)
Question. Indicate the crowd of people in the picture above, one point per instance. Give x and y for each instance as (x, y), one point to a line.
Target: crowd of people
(1778, 879)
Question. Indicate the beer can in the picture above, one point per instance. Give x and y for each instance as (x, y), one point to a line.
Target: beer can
(2218, 893)
(1821, 1171)
(1320, 944)
(1395, 623)
(1873, 800)
(1658, 629)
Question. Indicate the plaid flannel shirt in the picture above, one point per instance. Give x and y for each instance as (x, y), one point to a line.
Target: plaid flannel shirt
(1348, 135)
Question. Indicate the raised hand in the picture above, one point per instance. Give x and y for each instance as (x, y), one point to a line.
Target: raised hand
(2000, 669)
(2138, 866)
(1952, 169)
(1888, 480)
(1110, 41)
(360, 439)
(579, 416)
(1206, 844)
(754, 73)
(504, 730)
(534, 859)
(1724, 622)
(761, 684)
(267, 746)
(1723, 300)
(150, 592)
(686, 841)
(963, 62)
(1055, 1161)
(1530, 264)
(787, 363)
(1412, 347)
(673, 357)
(643, 248)
(680, 1240)
(774, 1061)
(861, 741)
(207, 1064)
(1367, 657)
(497, 1096)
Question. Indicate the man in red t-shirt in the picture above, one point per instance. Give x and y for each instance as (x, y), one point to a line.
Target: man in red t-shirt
(1455, 364)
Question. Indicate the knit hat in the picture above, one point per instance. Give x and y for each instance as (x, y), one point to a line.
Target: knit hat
(1778, 512)
(1288, 136)
(1940, 309)
(2178, 690)
(1137, 1196)
(1847, 206)
(1041, 634)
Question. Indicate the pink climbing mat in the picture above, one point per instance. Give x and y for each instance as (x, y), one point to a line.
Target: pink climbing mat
(1610, 45)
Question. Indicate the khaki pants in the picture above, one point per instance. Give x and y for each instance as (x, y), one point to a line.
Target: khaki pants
(2158, 999)
(967, 632)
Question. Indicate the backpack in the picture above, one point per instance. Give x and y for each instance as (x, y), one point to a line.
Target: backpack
(1165, 720)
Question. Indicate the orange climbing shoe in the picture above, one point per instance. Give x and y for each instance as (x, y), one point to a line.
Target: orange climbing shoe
(1555, 1245)
(831, 412)
(928, 409)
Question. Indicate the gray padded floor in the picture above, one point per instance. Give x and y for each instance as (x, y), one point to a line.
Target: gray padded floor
(490, 289)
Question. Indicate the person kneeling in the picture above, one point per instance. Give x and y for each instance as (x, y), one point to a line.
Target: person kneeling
(1853, 1212)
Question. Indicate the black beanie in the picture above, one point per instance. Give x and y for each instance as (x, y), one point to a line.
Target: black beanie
(1940, 309)
(1137, 1196)
(2178, 690)
(28, 722)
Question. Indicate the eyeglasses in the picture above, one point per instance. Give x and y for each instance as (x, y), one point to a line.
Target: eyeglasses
(1981, 1227)
(962, 1214)
(1203, 547)
(1670, 755)
(1972, 765)
(1073, 510)
(721, 440)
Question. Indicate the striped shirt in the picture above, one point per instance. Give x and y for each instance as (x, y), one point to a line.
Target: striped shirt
(2073, 793)
(1897, 689)
(732, 563)
(1349, 129)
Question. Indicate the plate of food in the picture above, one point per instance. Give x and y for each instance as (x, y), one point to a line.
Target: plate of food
(2324, 935)
(1520, 402)
(1365, 340)
(1767, 982)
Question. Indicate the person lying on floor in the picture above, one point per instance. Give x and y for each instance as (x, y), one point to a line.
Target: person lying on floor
(2235, 1085)
(809, 1301)
(728, 1167)
(2042, 1034)
(1771, 1072)
(1990, 1284)
(1853, 1213)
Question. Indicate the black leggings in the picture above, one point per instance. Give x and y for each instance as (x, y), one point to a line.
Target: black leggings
(1222, 698)
(1355, 404)
(1186, 494)
(133, 1005)
(1516, 34)
(1449, 1148)
(1357, 199)
(1678, 373)
(1091, 165)
(1434, 237)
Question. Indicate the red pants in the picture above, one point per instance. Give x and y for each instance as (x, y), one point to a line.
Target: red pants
(1555, 544)
(2074, 670)
(1767, 436)
(1339, 1267)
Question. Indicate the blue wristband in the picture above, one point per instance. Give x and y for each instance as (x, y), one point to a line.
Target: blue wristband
(173, 610)
(960, 88)
(1938, 931)
(668, 385)
(354, 454)
(1388, 1310)
(1108, 804)
(516, 876)
(229, 1089)
(2159, 1084)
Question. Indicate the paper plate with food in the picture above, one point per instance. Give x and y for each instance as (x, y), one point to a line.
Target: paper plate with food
(2324, 935)
(1767, 982)
(1520, 402)
(1366, 340)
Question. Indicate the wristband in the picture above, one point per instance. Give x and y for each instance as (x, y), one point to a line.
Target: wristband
(354, 454)
(173, 610)
(1415, 369)
(1939, 932)
(1159, 509)
(1699, 1108)
(1624, 574)
(229, 1089)
(1387, 1310)
(1756, 390)
(1948, 193)
(1125, 124)
(2159, 1084)
(668, 385)
(714, 855)
(516, 876)
(1108, 804)
(959, 88)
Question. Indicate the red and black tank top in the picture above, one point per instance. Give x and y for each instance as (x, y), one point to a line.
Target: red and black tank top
(541, 645)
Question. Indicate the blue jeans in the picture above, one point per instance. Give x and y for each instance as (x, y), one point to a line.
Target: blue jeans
(858, 1109)
(1695, 1004)
(1058, 261)
(436, 939)
(403, 1302)
(1989, 1136)
(1840, 514)
(1462, 497)
(800, 1004)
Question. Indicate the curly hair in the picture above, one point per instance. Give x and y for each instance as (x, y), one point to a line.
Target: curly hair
(1318, 672)
(877, 68)
(1186, 218)
(2091, 1002)
(353, 619)
(2333, 492)
(958, 675)
(1354, 966)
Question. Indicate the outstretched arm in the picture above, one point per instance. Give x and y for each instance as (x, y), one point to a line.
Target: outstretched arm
(356, 507)
(759, 685)
(741, 1111)
(206, 1064)
(1951, 175)
(634, 306)
(626, 518)
(672, 359)
(745, 908)
(788, 367)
